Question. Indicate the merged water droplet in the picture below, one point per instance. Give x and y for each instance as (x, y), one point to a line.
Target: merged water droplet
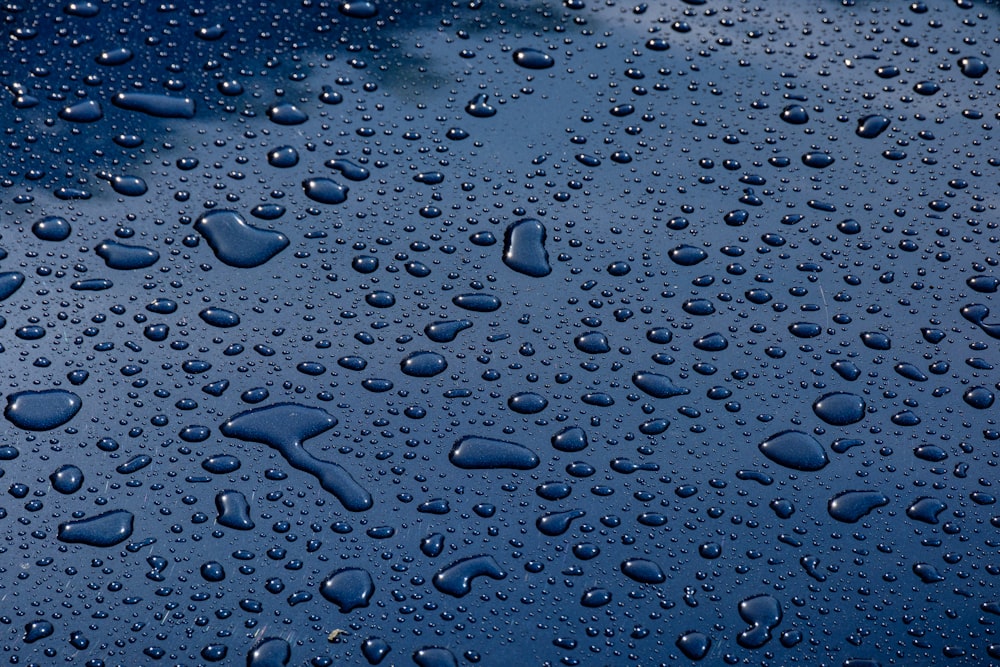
(284, 427)
(456, 579)
(237, 243)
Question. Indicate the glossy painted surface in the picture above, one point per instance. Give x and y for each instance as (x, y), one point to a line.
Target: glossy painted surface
(458, 333)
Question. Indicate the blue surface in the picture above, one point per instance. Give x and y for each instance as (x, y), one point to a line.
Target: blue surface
(458, 333)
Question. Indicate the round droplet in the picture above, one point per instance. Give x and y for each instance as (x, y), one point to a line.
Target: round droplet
(365, 264)
(219, 317)
(840, 408)
(222, 464)
(876, 340)
(686, 255)
(527, 403)
(380, 299)
(805, 329)
(286, 114)
(796, 450)
(67, 479)
(973, 67)
(570, 439)
(423, 364)
(213, 571)
(795, 114)
(283, 157)
(533, 59)
(817, 160)
(980, 398)
(325, 190)
(595, 597)
(592, 342)
(130, 186)
(694, 645)
(52, 228)
(271, 652)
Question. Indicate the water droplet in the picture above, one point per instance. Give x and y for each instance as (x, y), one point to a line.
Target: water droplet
(284, 427)
(285, 113)
(160, 106)
(852, 506)
(456, 579)
(237, 243)
(643, 571)
(763, 613)
(349, 588)
(423, 364)
(694, 645)
(103, 530)
(126, 257)
(840, 408)
(67, 479)
(471, 452)
(88, 111)
(524, 248)
(52, 228)
(41, 410)
(795, 450)
(533, 59)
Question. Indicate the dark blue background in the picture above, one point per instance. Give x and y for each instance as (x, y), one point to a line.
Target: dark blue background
(816, 186)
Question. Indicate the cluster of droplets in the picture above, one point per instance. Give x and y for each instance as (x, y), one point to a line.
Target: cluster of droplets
(362, 333)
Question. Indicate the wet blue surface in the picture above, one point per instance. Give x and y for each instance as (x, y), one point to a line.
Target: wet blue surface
(463, 333)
